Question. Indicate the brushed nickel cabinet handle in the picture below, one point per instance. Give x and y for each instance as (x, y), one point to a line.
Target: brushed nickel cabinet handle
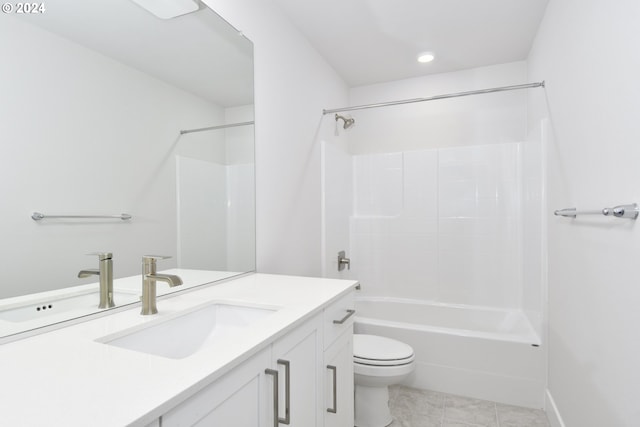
(287, 391)
(344, 319)
(334, 410)
(276, 402)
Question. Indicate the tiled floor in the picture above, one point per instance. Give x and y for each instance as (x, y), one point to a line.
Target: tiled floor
(423, 408)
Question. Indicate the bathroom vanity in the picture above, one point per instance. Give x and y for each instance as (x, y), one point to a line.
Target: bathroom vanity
(251, 352)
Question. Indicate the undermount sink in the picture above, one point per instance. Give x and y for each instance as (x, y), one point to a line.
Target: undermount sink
(80, 303)
(185, 334)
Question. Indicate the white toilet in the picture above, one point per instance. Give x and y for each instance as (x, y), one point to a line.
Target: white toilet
(378, 362)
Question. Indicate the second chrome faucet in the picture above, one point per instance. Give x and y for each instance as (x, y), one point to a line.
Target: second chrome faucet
(149, 279)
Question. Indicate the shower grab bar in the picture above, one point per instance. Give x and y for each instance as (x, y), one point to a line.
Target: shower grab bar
(37, 216)
(629, 211)
(433, 98)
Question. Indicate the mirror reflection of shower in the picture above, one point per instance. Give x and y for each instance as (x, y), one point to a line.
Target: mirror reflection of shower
(348, 122)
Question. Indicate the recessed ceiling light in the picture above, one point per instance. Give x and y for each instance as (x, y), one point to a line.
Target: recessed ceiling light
(426, 57)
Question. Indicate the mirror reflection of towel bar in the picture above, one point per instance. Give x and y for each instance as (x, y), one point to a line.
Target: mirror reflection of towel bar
(622, 211)
(37, 216)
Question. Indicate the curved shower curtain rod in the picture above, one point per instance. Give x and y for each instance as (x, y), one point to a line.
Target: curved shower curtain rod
(433, 98)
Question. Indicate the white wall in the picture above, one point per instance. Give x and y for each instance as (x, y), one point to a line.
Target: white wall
(293, 84)
(482, 119)
(587, 51)
(337, 202)
(239, 141)
(84, 134)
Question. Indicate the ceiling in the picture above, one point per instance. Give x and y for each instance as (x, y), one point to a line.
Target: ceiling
(198, 52)
(372, 41)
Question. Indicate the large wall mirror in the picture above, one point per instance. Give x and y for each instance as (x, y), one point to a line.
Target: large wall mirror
(102, 113)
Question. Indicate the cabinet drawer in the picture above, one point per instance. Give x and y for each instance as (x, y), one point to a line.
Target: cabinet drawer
(338, 317)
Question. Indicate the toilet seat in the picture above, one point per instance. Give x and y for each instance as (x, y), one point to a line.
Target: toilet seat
(373, 350)
(378, 362)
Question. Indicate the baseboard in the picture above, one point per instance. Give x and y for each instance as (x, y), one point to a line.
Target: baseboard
(555, 420)
(477, 384)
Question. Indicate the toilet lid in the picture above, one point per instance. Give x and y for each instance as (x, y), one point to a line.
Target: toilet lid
(376, 350)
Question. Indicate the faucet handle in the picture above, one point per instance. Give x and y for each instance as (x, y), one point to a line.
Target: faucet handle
(149, 263)
(102, 256)
(154, 257)
(151, 259)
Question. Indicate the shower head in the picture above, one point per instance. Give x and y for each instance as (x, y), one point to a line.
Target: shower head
(348, 121)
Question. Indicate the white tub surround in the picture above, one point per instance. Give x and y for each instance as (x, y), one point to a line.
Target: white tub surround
(485, 353)
(421, 215)
(67, 377)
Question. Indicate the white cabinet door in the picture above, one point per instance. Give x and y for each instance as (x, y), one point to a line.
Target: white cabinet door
(297, 357)
(237, 399)
(338, 382)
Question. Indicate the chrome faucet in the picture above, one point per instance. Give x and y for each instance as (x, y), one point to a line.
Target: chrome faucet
(149, 279)
(105, 272)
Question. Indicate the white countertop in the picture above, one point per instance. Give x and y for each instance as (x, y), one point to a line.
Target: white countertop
(128, 290)
(66, 378)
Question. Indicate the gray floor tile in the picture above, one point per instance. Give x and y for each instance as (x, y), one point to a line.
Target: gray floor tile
(406, 417)
(456, 424)
(393, 392)
(423, 402)
(416, 420)
(470, 411)
(423, 408)
(515, 416)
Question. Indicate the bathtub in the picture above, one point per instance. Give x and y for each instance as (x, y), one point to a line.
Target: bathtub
(479, 352)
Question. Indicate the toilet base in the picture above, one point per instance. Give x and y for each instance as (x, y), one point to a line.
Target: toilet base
(372, 406)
